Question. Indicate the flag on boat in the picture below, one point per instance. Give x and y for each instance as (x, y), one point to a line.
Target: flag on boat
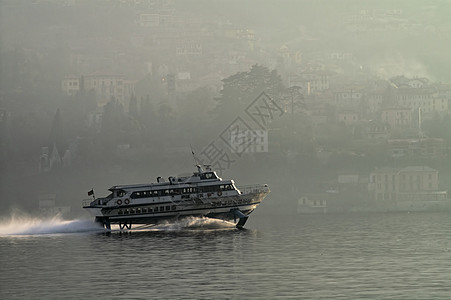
(91, 192)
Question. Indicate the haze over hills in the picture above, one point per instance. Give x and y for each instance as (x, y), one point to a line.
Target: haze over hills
(96, 93)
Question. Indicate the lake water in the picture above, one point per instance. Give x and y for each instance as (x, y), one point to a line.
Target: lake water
(331, 256)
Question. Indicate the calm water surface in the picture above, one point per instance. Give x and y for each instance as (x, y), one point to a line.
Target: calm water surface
(333, 256)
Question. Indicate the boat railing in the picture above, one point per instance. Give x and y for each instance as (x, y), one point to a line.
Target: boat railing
(87, 202)
(253, 188)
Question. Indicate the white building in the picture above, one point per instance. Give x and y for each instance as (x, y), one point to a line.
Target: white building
(105, 86)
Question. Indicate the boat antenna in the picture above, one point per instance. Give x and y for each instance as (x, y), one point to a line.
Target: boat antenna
(196, 161)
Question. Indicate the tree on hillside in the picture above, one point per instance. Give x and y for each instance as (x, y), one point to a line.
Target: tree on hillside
(147, 117)
(194, 112)
(240, 89)
(113, 122)
(133, 109)
(56, 137)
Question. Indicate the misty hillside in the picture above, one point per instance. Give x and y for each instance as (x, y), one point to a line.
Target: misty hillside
(326, 95)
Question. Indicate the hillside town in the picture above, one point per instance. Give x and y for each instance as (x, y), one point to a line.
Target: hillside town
(338, 134)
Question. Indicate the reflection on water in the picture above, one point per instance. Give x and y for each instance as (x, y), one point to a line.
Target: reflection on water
(393, 256)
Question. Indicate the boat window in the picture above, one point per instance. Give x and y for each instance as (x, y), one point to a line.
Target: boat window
(173, 207)
(144, 209)
(126, 212)
(161, 208)
(138, 210)
(210, 189)
(207, 175)
(226, 187)
(143, 194)
(168, 207)
(132, 211)
(189, 190)
(120, 212)
(120, 193)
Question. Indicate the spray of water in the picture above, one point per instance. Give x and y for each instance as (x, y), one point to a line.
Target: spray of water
(21, 224)
(195, 223)
(183, 224)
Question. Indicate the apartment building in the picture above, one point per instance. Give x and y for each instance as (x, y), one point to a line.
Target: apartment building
(394, 184)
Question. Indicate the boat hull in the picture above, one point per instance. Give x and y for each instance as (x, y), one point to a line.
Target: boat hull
(226, 208)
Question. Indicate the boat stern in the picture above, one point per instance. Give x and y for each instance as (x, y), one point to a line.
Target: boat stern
(93, 209)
